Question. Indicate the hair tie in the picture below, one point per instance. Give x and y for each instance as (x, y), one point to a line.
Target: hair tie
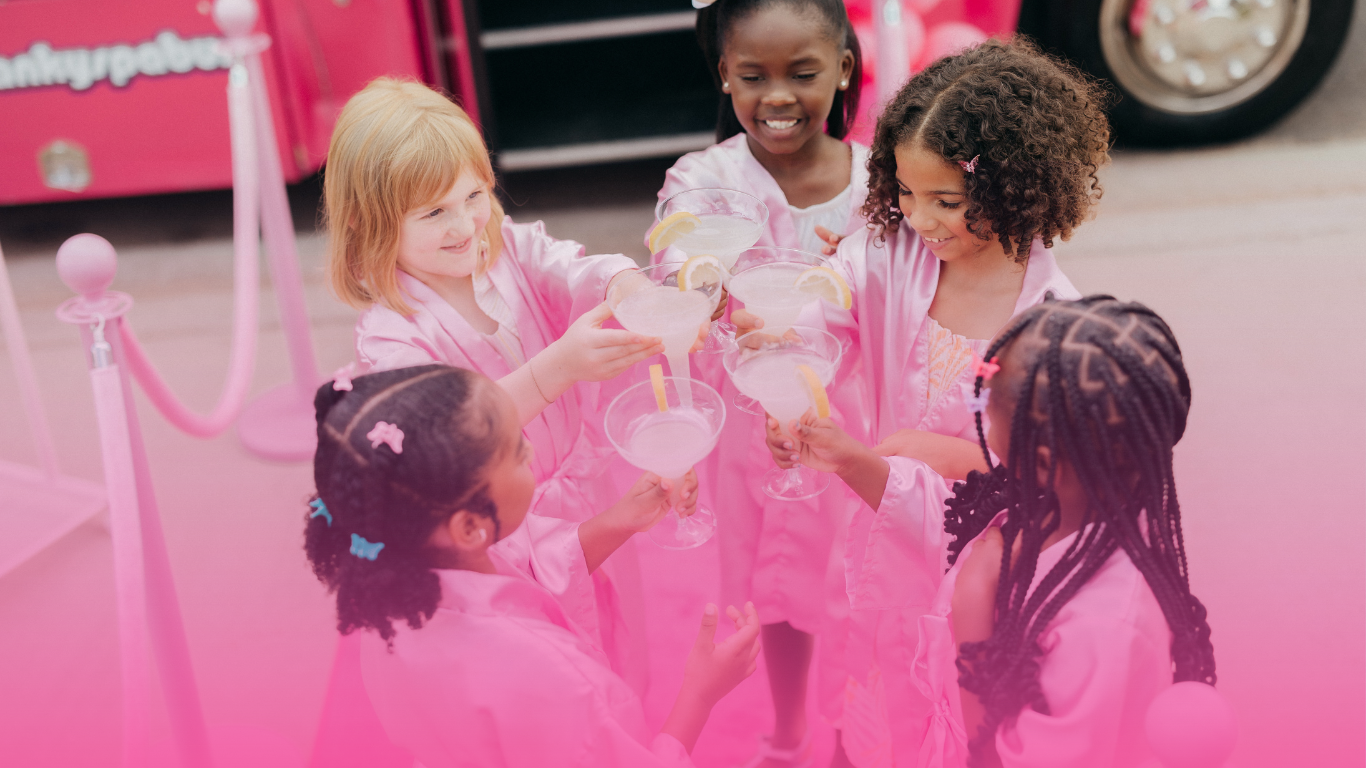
(985, 369)
(319, 508)
(969, 165)
(363, 549)
(341, 380)
(388, 434)
(978, 403)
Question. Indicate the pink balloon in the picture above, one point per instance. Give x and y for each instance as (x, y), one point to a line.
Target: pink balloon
(1190, 725)
(914, 28)
(949, 38)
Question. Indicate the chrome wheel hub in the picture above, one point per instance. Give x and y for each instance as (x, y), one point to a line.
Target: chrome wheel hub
(1198, 56)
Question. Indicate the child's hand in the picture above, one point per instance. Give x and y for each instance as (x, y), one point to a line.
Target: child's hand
(821, 443)
(713, 670)
(642, 506)
(589, 352)
(832, 240)
(721, 306)
(701, 340)
(684, 498)
(745, 321)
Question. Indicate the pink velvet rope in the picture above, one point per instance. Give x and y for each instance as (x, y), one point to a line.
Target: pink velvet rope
(246, 284)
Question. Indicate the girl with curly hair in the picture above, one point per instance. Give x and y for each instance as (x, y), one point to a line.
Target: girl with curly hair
(478, 645)
(1067, 607)
(978, 165)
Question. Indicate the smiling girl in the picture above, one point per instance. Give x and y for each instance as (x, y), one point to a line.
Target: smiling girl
(788, 73)
(978, 164)
(419, 242)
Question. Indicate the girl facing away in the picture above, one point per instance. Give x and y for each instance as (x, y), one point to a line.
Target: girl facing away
(475, 650)
(421, 245)
(788, 73)
(978, 164)
(1067, 607)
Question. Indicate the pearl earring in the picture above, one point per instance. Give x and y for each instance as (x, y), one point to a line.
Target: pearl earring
(725, 87)
(844, 84)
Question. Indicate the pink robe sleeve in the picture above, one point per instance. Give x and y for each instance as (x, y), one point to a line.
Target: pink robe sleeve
(567, 281)
(549, 551)
(1099, 675)
(897, 553)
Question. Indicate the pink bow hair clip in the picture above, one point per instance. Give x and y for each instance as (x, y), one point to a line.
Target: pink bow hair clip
(386, 433)
(341, 380)
(969, 165)
(978, 403)
(985, 368)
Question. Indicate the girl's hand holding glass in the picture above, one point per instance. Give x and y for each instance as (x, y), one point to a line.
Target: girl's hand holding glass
(821, 444)
(589, 352)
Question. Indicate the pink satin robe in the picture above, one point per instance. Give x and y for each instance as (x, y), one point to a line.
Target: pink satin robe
(503, 675)
(547, 284)
(885, 378)
(775, 553)
(1107, 655)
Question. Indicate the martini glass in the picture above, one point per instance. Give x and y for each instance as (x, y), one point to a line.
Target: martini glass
(668, 443)
(763, 279)
(728, 222)
(651, 304)
(765, 367)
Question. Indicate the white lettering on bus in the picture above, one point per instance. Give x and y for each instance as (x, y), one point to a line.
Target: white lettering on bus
(80, 68)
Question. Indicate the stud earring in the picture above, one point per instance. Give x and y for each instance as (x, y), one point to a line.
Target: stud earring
(844, 84)
(725, 87)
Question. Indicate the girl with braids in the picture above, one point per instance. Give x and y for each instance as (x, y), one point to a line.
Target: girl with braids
(1067, 608)
(978, 164)
(788, 74)
(421, 246)
(477, 647)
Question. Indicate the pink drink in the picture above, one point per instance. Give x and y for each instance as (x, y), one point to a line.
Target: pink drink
(668, 443)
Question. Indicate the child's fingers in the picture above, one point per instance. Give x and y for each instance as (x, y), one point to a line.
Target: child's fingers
(597, 315)
(733, 614)
(616, 337)
(706, 634)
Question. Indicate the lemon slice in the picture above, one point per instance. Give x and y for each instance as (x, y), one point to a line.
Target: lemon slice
(657, 380)
(816, 389)
(700, 270)
(826, 283)
(674, 226)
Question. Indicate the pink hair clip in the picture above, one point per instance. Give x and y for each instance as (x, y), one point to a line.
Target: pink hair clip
(341, 380)
(985, 369)
(386, 433)
(969, 165)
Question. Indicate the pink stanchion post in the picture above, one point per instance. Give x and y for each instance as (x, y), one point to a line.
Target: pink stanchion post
(42, 504)
(87, 264)
(279, 424)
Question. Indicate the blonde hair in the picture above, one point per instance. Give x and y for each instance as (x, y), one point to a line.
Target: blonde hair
(397, 146)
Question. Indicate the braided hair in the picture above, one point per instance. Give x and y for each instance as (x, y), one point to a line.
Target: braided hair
(1035, 125)
(716, 20)
(1102, 385)
(449, 436)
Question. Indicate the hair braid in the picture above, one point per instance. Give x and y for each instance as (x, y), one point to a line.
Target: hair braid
(1102, 386)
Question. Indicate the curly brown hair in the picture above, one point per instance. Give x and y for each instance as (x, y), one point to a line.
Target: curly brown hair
(1036, 125)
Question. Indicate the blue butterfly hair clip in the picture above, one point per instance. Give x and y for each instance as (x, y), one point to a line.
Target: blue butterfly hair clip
(365, 549)
(319, 508)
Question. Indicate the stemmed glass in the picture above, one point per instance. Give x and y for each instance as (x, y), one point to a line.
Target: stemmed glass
(651, 304)
(763, 278)
(728, 222)
(668, 442)
(774, 370)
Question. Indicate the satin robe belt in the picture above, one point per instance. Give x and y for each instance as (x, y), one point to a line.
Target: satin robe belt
(935, 676)
(563, 495)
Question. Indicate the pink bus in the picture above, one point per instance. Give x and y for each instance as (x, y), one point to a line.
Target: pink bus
(102, 98)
